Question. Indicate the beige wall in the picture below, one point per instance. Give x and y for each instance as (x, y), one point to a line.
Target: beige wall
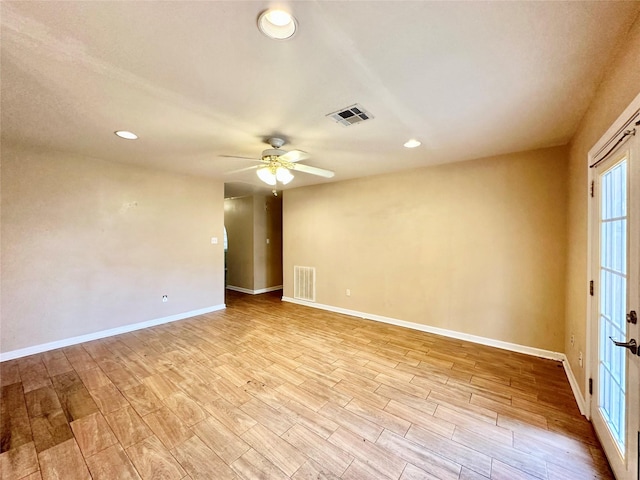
(90, 245)
(238, 220)
(252, 263)
(619, 87)
(475, 247)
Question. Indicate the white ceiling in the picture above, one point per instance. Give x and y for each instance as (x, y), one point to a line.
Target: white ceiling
(196, 80)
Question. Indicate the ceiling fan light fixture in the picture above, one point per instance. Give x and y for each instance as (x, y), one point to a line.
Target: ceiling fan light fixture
(266, 176)
(283, 175)
(277, 24)
(413, 143)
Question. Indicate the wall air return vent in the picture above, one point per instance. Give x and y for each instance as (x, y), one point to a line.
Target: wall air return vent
(351, 115)
(304, 283)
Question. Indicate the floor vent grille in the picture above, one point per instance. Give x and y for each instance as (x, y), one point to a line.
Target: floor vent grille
(304, 283)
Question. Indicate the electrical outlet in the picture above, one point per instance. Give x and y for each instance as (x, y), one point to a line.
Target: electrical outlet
(165, 298)
(573, 340)
(580, 359)
(348, 292)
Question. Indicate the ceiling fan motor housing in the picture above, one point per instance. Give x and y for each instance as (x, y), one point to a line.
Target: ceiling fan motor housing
(273, 152)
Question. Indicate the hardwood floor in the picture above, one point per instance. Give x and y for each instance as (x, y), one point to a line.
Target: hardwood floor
(266, 390)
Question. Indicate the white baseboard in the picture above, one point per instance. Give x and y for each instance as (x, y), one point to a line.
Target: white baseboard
(45, 347)
(582, 405)
(254, 292)
(513, 347)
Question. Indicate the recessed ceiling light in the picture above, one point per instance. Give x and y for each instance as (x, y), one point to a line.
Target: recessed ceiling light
(277, 24)
(127, 135)
(413, 143)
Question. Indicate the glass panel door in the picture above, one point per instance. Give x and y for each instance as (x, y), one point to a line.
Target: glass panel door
(615, 411)
(613, 300)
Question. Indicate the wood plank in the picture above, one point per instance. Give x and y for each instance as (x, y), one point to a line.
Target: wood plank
(411, 472)
(79, 358)
(359, 470)
(167, 427)
(369, 453)
(356, 379)
(384, 418)
(94, 378)
(19, 462)
(50, 430)
(576, 460)
(312, 471)
(64, 461)
(108, 398)
(9, 373)
(324, 392)
(447, 448)
(316, 422)
(418, 403)
(56, 362)
(418, 455)
(437, 425)
(33, 373)
(110, 464)
(225, 389)
(15, 429)
(254, 465)
(317, 448)
(222, 440)
(508, 455)
(230, 416)
(273, 448)
(186, 409)
(93, 434)
(502, 471)
(472, 423)
(143, 400)
(200, 462)
(153, 461)
(352, 421)
(161, 386)
(128, 426)
(42, 401)
(74, 397)
(510, 411)
(362, 394)
(302, 396)
(406, 387)
(275, 420)
(123, 378)
(33, 476)
(467, 474)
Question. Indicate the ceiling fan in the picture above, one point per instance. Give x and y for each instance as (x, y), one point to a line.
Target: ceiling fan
(276, 164)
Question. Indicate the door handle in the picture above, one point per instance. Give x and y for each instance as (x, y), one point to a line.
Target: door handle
(631, 345)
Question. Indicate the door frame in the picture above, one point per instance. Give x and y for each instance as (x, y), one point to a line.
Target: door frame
(605, 143)
(599, 147)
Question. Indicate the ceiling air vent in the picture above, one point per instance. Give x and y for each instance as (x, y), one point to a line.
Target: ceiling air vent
(350, 115)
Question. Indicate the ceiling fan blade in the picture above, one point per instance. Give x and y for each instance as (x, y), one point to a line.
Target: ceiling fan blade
(243, 169)
(245, 158)
(313, 170)
(294, 156)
